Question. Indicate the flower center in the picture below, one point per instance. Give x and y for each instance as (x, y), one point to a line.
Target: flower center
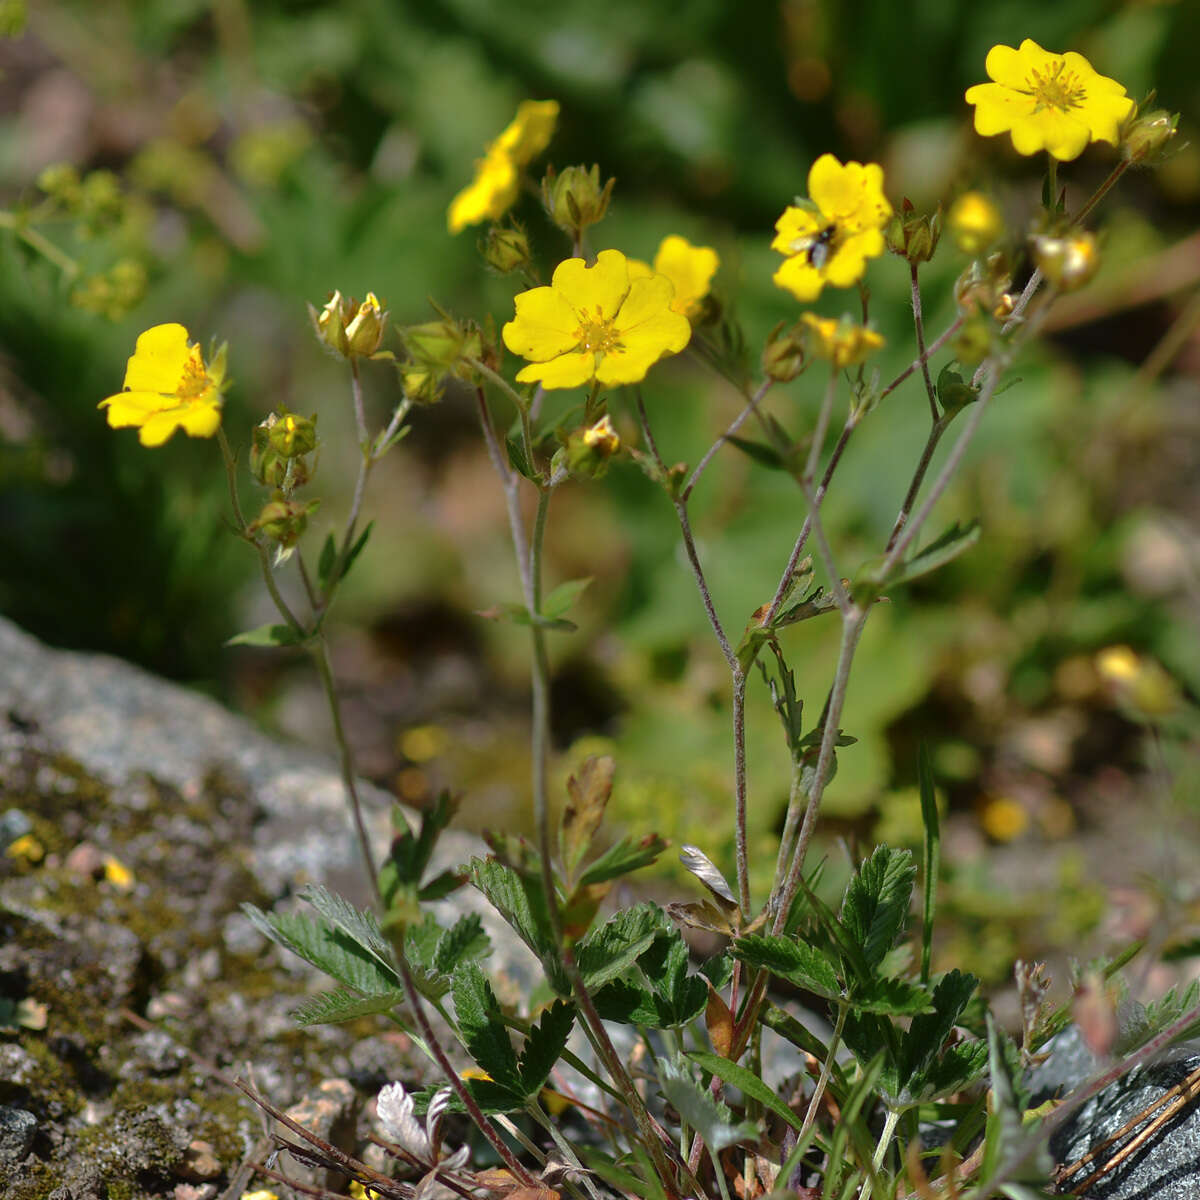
(1058, 88)
(194, 383)
(597, 335)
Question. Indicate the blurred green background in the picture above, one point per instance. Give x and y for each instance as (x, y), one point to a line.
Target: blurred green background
(269, 152)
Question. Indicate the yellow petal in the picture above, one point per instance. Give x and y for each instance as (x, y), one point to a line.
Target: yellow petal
(159, 357)
(566, 371)
(545, 325)
(488, 196)
(132, 408)
(595, 292)
(1010, 67)
(530, 131)
(690, 268)
(796, 223)
(1063, 136)
(200, 420)
(800, 278)
(638, 269)
(158, 427)
(647, 314)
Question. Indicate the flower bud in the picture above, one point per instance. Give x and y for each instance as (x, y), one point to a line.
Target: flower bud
(784, 355)
(364, 333)
(1069, 261)
(984, 284)
(842, 342)
(913, 236)
(575, 198)
(282, 520)
(506, 249)
(441, 348)
(421, 386)
(1147, 136)
(588, 450)
(974, 222)
(330, 323)
(277, 450)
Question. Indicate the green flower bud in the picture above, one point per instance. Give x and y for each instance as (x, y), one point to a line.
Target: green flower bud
(913, 236)
(364, 333)
(575, 198)
(784, 354)
(506, 249)
(589, 449)
(330, 323)
(1147, 136)
(283, 521)
(445, 347)
(1069, 261)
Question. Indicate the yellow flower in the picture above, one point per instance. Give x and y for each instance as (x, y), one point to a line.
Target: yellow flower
(829, 239)
(168, 387)
(841, 342)
(689, 268)
(974, 222)
(494, 189)
(595, 323)
(1052, 102)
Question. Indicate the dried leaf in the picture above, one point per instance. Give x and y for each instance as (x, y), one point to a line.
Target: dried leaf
(719, 1021)
(588, 793)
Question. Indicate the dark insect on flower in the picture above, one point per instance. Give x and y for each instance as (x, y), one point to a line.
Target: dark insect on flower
(820, 246)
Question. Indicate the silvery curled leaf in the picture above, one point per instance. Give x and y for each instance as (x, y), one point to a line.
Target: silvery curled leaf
(395, 1110)
(704, 870)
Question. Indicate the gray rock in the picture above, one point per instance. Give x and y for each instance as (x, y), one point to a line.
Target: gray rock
(17, 1131)
(1166, 1166)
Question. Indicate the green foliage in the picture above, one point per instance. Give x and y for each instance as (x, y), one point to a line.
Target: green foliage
(876, 903)
(697, 1106)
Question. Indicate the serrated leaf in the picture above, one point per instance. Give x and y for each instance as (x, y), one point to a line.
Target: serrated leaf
(894, 997)
(482, 1026)
(876, 902)
(330, 950)
(331, 1008)
(355, 923)
(465, 939)
(700, 1109)
(622, 858)
(560, 600)
(682, 997)
(792, 961)
(924, 1038)
(588, 792)
(627, 1003)
(268, 635)
(747, 1082)
(492, 1097)
(520, 902)
(440, 886)
(609, 949)
(957, 1067)
(945, 549)
(815, 604)
(409, 853)
(853, 958)
(546, 1041)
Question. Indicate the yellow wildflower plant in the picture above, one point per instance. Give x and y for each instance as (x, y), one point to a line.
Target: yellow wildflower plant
(1052, 102)
(689, 268)
(842, 343)
(595, 323)
(168, 386)
(496, 185)
(830, 238)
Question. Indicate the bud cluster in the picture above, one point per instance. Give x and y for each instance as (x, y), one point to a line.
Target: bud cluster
(348, 328)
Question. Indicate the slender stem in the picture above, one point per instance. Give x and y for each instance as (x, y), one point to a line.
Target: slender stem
(740, 837)
(922, 353)
(826, 1069)
(320, 652)
(38, 241)
(461, 1090)
(499, 380)
(885, 1140)
(720, 1174)
(565, 1149)
(940, 425)
(933, 348)
(801, 540)
(360, 412)
(792, 820)
(783, 896)
(1101, 191)
(818, 438)
(752, 404)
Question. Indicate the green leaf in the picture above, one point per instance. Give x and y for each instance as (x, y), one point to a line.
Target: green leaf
(876, 902)
(760, 452)
(269, 635)
(331, 1008)
(330, 950)
(957, 1067)
(521, 903)
(482, 1027)
(623, 857)
(894, 997)
(327, 559)
(560, 600)
(409, 854)
(628, 1003)
(747, 1082)
(354, 923)
(788, 1028)
(853, 958)
(682, 997)
(609, 949)
(517, 458)
(465, 939)
(518, 614)
(931, 856)
(924, 1038)
(794, 962)
(545, 1044)
(492, 1097)
(700, 1109)
(949, 546)
(355, 551)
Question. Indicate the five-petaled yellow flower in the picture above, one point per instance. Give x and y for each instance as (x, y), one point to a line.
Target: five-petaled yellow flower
(829, 239)
(168, 386)
(842, 343)
(494, 189)
(689, 268)
(1052, 102)
(595, 323)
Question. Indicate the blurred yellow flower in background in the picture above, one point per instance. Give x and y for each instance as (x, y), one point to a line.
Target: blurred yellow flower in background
(689, 268)
(168, 386)
(1052, 102)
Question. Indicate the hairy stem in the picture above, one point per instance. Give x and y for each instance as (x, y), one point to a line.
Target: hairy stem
(940, 425)
(922, 353)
